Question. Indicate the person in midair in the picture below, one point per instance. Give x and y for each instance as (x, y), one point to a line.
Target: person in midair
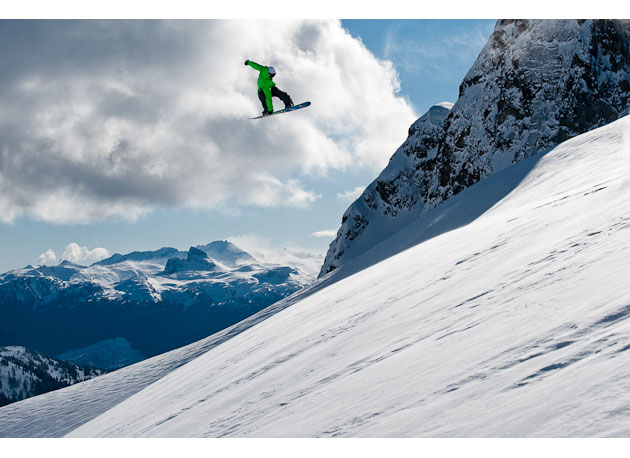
(267, 88)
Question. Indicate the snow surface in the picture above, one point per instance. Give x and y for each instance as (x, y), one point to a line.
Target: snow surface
(515, 321)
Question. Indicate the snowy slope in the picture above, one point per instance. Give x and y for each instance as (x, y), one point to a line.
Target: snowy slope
(516, 324)
(61, 411)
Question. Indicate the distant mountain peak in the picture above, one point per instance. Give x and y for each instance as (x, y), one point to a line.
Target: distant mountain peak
(196, 260)
(196, 253)
(162, 253)
(226, 252)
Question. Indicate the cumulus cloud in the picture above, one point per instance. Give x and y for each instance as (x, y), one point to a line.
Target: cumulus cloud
(48, 258)
(109, 119)
(83, 255)
(76, 254)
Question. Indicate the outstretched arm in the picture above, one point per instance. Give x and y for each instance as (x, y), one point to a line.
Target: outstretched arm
(254, 65)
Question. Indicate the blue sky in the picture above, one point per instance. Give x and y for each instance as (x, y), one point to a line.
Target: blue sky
(431, 56)
(306, 187)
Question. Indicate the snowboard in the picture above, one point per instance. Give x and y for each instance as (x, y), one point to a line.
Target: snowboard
(284, 110)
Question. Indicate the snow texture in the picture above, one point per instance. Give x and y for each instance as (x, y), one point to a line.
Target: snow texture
(508, 320)
(535, 84)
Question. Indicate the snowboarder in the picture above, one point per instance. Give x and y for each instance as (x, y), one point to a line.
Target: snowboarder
(267, 88)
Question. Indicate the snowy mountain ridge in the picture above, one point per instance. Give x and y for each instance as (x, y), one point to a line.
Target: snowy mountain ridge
(182, 296)
(535, 84)
(25, 373)
(513, 322)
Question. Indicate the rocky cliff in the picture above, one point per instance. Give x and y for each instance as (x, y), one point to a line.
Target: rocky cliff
(535, 84)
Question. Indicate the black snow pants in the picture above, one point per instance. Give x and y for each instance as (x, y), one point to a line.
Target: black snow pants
(275, 92)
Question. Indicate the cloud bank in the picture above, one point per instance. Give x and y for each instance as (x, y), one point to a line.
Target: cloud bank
(74, 253)
(109, 119)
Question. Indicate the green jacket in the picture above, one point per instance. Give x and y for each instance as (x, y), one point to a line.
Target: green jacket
(265, 83)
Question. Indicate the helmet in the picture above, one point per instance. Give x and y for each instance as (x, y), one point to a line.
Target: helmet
(272, 71)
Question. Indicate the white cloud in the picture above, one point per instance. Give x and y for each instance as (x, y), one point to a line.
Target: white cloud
(48, 258)
(83, 255)
(268, 191)
(253, 243)
(263, 248)
(351, 195)
(74, 253)
(325, 233)
(144, 114)
(287, 253)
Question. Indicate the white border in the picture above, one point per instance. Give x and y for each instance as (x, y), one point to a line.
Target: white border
(331, 9)
(320, 448)
(316, 448)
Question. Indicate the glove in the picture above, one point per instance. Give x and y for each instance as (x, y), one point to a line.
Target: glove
(246, 62)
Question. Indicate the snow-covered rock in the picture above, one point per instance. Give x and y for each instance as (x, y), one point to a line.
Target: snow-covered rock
(159, 255)
(197, 260)
(502, 312)
(535, 84)
(227, 253)
(154, 300)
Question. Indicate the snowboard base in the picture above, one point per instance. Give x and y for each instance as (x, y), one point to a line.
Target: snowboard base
(284, 110)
